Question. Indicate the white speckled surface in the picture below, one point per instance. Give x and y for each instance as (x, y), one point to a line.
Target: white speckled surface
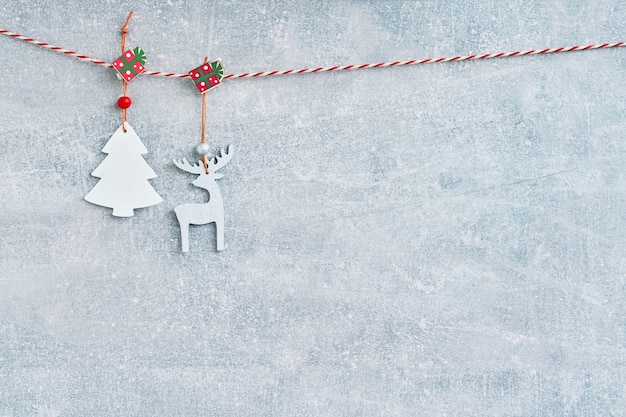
(444, 240)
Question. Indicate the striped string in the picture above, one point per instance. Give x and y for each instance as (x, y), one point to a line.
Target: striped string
(333, 68)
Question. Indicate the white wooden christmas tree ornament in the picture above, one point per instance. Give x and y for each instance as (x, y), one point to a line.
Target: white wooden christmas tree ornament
(124, 175)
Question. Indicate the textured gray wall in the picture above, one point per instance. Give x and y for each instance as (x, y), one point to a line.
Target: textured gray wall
(444, 240)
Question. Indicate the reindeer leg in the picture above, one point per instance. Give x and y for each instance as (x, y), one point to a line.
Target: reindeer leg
(184, 236)
(184, 230)
(219, 229)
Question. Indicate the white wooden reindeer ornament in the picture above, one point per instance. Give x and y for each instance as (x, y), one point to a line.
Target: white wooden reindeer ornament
(211, 211)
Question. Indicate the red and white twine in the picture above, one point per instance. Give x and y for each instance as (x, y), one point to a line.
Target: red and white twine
(55, 48)
(333, 68)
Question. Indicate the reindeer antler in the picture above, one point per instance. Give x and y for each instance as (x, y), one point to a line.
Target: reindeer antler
(187, 167)
(222, 158)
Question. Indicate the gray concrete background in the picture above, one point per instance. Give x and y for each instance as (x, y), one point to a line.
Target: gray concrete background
(444, 240)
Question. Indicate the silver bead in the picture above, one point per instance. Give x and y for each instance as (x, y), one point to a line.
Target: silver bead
(202, 148)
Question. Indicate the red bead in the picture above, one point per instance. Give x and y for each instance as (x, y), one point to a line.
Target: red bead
(124, 102)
